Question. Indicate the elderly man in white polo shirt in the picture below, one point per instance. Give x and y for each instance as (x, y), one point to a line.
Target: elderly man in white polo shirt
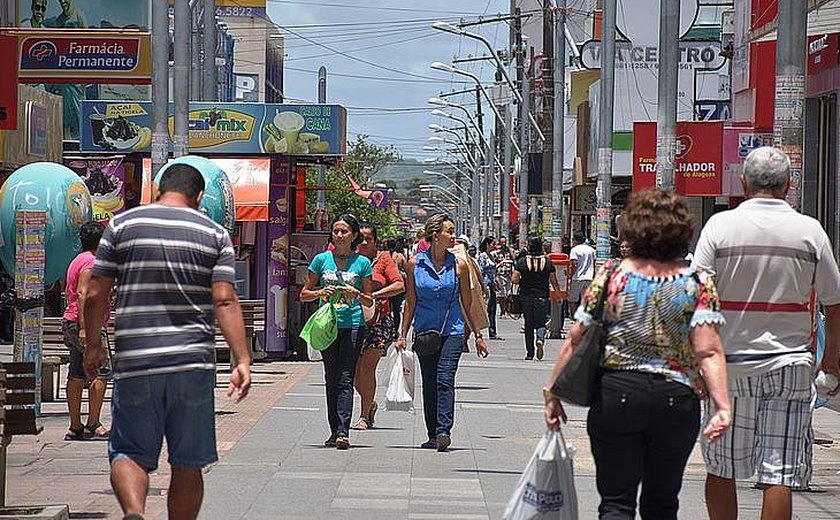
(767, 260)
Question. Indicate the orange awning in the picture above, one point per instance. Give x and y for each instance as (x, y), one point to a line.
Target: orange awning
(249, 178)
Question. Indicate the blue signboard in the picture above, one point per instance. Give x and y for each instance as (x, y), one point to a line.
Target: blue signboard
(219, 128)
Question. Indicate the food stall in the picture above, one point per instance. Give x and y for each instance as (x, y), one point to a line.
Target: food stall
(264, 150)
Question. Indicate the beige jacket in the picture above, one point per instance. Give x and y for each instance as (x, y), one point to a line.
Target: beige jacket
(478, 309)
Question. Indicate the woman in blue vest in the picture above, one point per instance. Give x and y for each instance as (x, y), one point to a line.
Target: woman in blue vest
(437, 287)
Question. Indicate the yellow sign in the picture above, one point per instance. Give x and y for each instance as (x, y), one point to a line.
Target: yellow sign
(125, 110)
(241, 3)
(217, 126)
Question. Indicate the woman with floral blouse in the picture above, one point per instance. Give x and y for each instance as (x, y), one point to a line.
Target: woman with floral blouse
(662, 355)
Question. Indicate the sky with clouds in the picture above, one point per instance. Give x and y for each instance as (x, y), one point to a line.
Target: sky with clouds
(377, 54)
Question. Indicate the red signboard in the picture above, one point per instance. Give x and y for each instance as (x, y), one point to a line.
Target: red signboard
(699, 161)
(822, 52)
(8, 86)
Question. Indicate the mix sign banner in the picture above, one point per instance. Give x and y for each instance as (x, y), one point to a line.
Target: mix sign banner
(90, 56)
(220, 128)
(699, 161)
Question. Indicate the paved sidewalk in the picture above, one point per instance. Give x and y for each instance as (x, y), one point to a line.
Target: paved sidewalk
(280, 470)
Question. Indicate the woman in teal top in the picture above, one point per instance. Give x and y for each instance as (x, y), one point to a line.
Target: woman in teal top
(345, 274)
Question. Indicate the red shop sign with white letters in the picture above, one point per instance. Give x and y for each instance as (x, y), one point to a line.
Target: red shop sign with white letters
(699, 158)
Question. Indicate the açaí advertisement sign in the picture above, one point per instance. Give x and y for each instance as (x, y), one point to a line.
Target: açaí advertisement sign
(224, 128)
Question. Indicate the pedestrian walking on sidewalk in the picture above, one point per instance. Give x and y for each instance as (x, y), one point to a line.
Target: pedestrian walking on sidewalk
(582, 266)
(478, 303)
(662, 353)
(488, 271)
(381, 331)
(768, 260)
(535, 276)
(438, 288)
(348, 274)
(174, 270)
(73, 328)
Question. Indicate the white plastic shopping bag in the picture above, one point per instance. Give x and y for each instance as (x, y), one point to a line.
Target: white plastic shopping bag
(546, 489)
(400, 372)
(314, 355)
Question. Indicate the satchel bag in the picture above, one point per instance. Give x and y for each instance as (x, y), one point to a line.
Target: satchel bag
(578, 381)
(429, 342)
(373, 313)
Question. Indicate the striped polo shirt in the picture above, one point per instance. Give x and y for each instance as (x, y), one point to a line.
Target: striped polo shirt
(164, 260)
(766, 259)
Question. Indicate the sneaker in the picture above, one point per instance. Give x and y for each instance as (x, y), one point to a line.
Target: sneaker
(540, 350)
(529, 358)
(443, 442)
(342, 442)
(330, 443)
(430, 444)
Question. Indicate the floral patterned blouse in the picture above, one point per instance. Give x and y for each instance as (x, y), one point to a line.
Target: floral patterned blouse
(648, 319)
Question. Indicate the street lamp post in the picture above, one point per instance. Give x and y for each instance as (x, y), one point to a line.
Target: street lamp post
(475, 207)
(450, 197)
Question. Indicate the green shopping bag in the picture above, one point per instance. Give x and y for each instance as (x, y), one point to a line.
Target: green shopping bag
(321, 329)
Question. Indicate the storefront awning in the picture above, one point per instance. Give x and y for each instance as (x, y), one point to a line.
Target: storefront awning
(249, 178)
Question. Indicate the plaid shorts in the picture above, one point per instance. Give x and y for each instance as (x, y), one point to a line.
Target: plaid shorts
(770, 433)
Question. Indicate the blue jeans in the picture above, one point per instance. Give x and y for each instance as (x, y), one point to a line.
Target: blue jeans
(491, 311)
(178, 406)
(534, 311)
(339, 369)
(438, 373)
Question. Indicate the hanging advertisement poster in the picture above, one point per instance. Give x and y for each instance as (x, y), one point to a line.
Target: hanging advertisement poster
(223, 128)
(8, 86)
(277, 296)
(105, 179)
(699, 157)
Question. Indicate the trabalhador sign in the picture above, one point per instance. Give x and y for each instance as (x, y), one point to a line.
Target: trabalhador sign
(699, 159)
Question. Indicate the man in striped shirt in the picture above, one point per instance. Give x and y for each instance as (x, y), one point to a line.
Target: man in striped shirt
(767, 260)
(174, 269)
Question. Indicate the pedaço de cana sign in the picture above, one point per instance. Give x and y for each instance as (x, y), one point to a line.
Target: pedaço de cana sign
(90, 56)
(219, 128)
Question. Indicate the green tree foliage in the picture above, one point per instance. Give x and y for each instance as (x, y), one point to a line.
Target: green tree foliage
(363, 160)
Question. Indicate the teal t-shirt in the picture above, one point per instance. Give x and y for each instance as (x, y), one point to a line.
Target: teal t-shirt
(358, 267)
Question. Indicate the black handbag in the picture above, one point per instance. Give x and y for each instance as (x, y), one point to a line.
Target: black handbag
(578, 382)
(429, 342)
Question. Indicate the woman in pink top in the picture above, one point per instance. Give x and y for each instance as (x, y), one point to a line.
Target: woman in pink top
(73, 326)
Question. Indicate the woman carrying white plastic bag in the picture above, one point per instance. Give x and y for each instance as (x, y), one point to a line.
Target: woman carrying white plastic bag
(400, 373)
(546, 489)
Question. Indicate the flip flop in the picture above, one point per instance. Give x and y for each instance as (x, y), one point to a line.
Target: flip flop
(363, 424)
(90, 432)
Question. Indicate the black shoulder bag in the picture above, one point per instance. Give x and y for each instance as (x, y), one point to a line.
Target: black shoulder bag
(429, 342)
(577, 383)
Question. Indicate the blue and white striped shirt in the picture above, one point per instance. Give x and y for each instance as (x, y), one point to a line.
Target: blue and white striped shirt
(165, 260)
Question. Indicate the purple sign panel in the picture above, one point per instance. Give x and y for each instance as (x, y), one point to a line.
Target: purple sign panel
(277, 295)
(105, 179)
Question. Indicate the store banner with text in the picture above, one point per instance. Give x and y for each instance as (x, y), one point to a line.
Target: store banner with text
(699, 159)
(220, 128)
(105, 179)
(8, 86)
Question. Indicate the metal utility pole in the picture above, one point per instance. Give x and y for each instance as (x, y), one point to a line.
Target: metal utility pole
(321, 204)
(160, 84)
(557, 209)
(195, 51)
(548, 122)
(603, 211)
(524, 143)
(666, 121)
(210, 73)
(479, 117)
(788, 121)
(504, 188)
(489, 191)
(181, 89)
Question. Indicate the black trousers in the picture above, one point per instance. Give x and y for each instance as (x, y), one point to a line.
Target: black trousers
(642, 430)
(339, 370)
(534, 310)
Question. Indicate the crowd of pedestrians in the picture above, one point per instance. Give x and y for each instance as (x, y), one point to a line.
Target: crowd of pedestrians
(689, 350)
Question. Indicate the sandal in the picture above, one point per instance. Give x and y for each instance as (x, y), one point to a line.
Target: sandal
(372, 413)
(363, 424)
(74, 434)
(90, 432)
